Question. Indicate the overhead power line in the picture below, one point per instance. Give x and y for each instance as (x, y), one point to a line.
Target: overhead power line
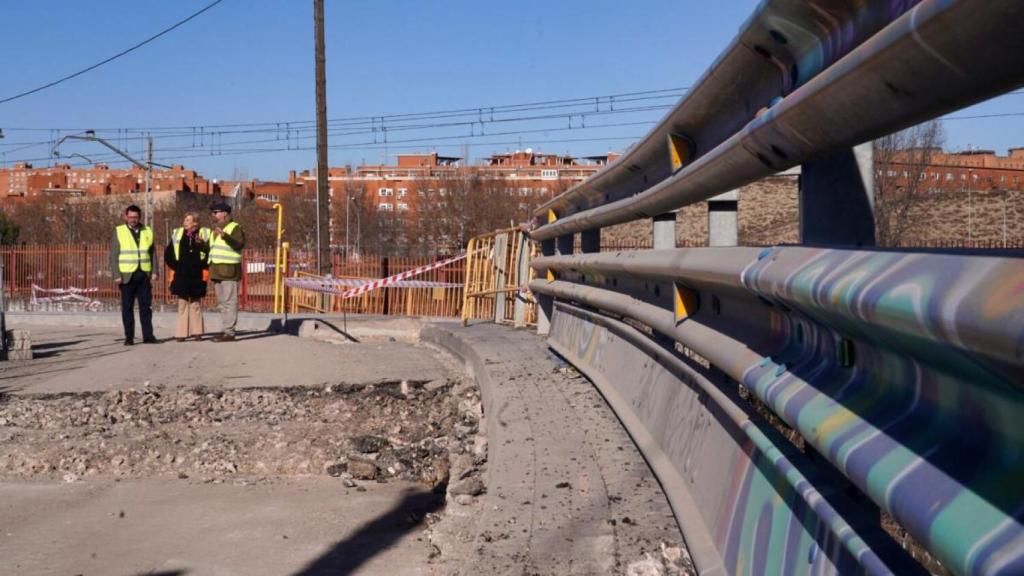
(112, 58)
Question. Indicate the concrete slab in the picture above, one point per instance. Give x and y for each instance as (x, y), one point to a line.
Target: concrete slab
(94, 359)
(302, 526)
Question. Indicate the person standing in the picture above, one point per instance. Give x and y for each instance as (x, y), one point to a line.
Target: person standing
(131, 258)
(186, 255)
(226, 246)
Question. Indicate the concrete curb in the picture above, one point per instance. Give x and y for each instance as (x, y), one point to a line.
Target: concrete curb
(567, 490)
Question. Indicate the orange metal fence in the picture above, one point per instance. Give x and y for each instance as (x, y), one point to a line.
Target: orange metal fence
(63, 267)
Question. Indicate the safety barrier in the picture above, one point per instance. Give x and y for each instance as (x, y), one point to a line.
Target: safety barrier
(366, 285)
(496, 278)
(791, 398)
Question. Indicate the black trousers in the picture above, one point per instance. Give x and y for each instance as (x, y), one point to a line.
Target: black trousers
(137, 288)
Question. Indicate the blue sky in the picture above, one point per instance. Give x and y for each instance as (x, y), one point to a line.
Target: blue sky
(251, 61)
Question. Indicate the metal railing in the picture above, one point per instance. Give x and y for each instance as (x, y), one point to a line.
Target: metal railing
(790, 397)
(441, 296)
(496, 278)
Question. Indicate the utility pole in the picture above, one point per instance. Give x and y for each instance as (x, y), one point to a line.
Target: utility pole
(322, 211)
(149, 181)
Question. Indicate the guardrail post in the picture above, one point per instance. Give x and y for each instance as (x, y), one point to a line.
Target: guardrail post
(723, 224)
(546, 304)
(590, 241)
(564, 245)
(837, 199)
(664, 233)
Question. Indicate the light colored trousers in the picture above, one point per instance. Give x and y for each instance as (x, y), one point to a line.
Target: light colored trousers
(227, 302)
(190, 318)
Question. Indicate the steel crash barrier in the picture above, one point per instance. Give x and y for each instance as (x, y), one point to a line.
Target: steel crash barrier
(809, 408)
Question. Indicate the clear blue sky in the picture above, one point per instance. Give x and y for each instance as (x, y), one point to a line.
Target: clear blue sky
(247, 61)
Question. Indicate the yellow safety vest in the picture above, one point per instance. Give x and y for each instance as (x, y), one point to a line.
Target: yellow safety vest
(221, 252)
(179, 233)
(132, 256)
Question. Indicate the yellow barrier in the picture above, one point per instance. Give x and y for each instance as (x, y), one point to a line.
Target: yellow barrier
(497, 273)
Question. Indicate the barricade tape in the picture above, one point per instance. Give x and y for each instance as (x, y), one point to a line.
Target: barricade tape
(62, 291)
(70, 295)
(339, 283)
(333, 285)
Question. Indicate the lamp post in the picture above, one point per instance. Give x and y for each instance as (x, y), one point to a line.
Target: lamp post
(359, 225)
(90, 136)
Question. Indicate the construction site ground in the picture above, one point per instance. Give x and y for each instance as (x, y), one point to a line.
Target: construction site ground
(357, 448)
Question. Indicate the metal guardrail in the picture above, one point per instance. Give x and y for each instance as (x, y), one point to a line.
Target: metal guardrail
(916, 68)
(896, 375)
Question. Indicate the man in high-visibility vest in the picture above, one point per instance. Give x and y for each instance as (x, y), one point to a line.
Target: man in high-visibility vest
(226, 267)
(131, 258)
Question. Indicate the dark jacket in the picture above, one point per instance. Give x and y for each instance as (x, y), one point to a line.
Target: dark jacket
(230, 271)
(188, 268)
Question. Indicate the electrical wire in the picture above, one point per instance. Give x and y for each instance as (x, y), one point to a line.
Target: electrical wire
(112, 58)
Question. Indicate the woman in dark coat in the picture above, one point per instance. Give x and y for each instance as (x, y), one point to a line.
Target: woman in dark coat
(186, 255)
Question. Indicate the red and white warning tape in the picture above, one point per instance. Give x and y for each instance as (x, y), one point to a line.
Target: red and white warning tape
(332, 286)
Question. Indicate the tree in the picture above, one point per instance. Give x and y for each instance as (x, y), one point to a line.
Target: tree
(901, 162)
(9, 231)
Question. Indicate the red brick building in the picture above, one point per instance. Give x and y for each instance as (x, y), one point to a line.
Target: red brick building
(421, 178)
(961, 171)
(24, 181)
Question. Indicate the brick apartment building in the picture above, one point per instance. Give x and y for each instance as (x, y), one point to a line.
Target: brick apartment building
(524, 176)
(976, 170)
(24, 181)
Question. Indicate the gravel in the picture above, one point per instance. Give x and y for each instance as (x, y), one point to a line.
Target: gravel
(375, 432)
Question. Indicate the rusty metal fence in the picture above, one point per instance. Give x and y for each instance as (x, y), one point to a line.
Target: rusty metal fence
(78, 277)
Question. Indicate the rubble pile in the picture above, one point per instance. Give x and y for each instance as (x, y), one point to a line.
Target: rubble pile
(394, 430)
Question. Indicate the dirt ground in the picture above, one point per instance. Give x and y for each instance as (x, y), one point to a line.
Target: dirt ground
(271, 455)
(89, 359)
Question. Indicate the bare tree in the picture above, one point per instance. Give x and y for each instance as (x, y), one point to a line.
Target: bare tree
(901, 162)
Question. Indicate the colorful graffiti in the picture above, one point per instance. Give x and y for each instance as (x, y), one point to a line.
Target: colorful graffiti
(925, 417)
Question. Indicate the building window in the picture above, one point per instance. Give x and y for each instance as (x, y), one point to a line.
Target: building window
(384, 207)
(402, 206)
(384, 192)
(442, 191)
(268, 197)
(402, 192)
(549, 174)
(524, 191)
(949, 176)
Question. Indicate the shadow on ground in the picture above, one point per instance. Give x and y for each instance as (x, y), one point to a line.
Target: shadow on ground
(375, 536)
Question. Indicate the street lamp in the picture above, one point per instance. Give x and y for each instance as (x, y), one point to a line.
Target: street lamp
(359, 223)
(90, 136)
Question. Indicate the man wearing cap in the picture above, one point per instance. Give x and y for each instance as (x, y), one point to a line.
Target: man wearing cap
(226, 267)
(131, 260)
